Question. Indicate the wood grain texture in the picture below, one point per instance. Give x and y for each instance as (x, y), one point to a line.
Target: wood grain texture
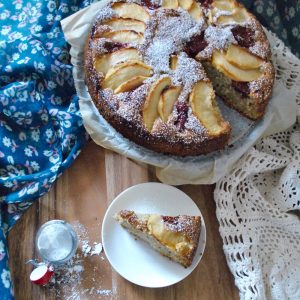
(82, 194)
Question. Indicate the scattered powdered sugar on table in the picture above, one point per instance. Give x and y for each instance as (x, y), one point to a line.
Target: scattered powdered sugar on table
(86, 248)
(97, 249)
(104, 292)
(69, 279)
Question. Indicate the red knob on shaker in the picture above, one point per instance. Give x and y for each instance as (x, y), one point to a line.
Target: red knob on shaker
(42, 274)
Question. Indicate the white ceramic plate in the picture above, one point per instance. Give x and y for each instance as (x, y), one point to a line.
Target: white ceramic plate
(134, 259)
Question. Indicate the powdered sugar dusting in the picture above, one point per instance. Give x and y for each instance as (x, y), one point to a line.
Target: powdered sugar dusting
(183, 224)
(264, 82)
(220, 13)
(105, 13)
(104, 292)
(78, 277)
(173, 30)
(156, 2)
(260, 49)
(217, 38)
(187, 73)
(130, 102)
(97, 249)
(86, 248)
(194, 125)
(158, 55)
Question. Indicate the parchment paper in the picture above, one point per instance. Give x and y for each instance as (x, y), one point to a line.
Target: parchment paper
(203, 169)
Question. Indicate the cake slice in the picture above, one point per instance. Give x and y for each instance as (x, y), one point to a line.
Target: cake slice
(176, 237)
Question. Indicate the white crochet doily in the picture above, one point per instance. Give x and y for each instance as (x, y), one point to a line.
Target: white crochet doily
(258, 208)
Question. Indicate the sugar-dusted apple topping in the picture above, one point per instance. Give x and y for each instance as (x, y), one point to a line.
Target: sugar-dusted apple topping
(117, 24)
(124, 36)
(173, 62)
(242, 58)
(106, 61)
(202, 101)
(123, 72)
(220, 62)
(171, 4)
(167, 100)
(130, 84)
(195, 11)
(238, 16)
(150, 109)
(223, 5)
(131, 10)
(186, 4)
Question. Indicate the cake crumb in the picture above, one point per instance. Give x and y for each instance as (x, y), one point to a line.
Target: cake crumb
(97, 249)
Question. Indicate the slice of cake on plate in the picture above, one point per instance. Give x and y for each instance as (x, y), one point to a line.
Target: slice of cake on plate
(176, 237)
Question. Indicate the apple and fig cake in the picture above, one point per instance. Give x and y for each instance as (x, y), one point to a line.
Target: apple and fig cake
(175, 237)
(153, 69)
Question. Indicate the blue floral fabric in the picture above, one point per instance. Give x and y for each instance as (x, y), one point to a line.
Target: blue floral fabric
(41, 130)
(280, 16)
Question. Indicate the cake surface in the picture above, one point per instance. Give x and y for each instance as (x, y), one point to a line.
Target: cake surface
(176, 237)
(153, 69)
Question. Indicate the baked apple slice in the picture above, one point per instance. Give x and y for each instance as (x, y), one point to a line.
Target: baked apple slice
(195, 11)
(124, 36)
(185, 4)
(221, 8)
(224, 5)
(130, 84)
(173, 62)
(220, 62)
(238, 16)
(202, 101)
(123, 72)
(117, 24)
(150, 109)
(167, 101)
(172, 4)
(131, 10)
(241, 58)
(107, 61)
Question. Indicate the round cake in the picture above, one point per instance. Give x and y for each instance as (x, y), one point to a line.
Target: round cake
(153, 69)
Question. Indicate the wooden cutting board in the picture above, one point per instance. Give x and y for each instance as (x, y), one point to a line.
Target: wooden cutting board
(81, 196)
